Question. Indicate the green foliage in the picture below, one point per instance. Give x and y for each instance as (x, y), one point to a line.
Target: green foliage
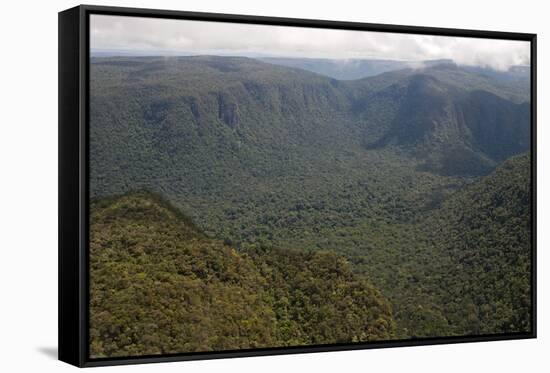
(158, 286)
(280, 168)
(486, 231)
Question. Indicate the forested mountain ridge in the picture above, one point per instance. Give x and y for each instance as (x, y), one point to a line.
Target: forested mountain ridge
(513, 83)
(509, 85)
(160, 286)
(455, 131)
(262, 117)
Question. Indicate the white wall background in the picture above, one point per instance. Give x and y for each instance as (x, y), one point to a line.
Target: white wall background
(28, 185)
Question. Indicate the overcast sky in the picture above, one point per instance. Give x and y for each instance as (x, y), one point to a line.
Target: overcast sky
(172, 37)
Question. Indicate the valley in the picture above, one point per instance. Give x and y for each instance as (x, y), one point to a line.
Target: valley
(409, 188)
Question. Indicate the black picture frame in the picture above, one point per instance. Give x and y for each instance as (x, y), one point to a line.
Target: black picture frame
(73, 180)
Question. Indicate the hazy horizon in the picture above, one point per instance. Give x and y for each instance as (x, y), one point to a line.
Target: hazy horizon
(134, 36)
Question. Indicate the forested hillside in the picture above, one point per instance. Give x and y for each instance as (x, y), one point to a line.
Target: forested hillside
(486, 231)
(159, 285)
(464, 268)
(293, 192)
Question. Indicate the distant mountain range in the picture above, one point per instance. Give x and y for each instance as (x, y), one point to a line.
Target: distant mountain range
(350, 69)
(337, 68)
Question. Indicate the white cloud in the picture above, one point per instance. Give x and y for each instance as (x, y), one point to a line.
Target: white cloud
(168, 36)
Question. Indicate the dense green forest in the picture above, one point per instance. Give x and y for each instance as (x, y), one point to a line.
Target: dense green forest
(412, 186)
(160, 286)
(464, 267)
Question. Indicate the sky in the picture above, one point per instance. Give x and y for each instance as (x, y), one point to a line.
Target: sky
(157, 36)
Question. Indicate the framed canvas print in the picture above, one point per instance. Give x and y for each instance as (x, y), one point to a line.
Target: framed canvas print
(239, 186)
